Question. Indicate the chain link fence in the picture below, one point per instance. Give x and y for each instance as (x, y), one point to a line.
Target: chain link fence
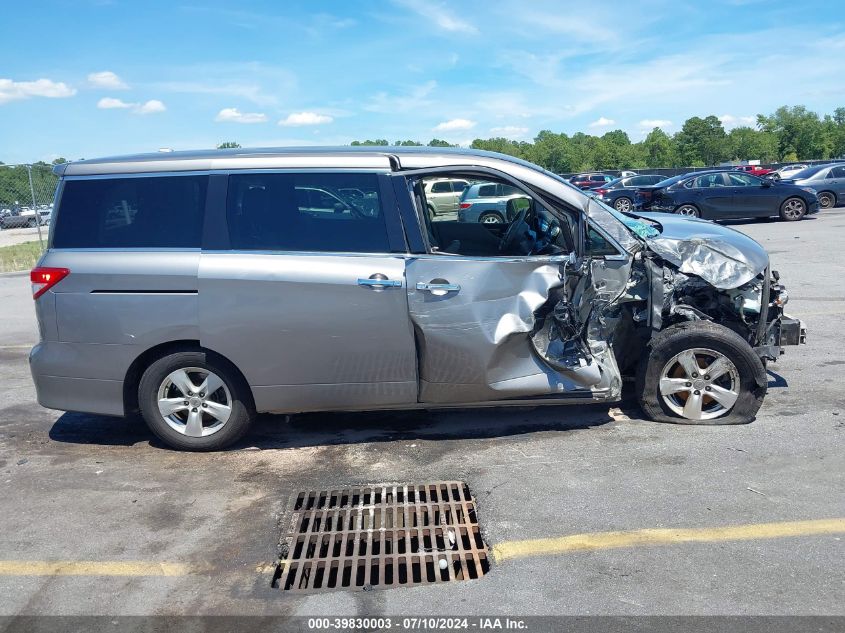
(26, 209)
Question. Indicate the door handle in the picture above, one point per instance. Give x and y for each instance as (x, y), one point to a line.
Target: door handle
(379, 282)
(438, 288)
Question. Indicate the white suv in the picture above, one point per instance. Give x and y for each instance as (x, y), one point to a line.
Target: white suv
(443, 195)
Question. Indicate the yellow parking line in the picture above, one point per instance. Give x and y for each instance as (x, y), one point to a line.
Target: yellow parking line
(90, 568)
(648, 537)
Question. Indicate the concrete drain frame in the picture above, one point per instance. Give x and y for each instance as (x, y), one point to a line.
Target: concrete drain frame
(379, 537)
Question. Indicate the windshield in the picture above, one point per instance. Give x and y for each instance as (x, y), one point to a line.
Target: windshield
(807, 173)
(671, 181)
(638, 226)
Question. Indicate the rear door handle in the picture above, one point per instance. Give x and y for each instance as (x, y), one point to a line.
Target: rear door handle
(438, 289)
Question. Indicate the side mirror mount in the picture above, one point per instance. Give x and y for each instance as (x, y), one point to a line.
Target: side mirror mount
(766, 183)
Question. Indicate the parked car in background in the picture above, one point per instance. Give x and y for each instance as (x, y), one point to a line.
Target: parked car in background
(486, 202)
(625, 173)
(620, 193)
(443, 195)
(827, 180)
(787, 171)
(23, 218)
(590, 180)
(724, 194)
(754, 170)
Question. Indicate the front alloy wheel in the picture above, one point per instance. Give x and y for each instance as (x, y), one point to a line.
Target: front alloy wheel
(699, 384)
(793, 209)
(826, 200)
(700, 372)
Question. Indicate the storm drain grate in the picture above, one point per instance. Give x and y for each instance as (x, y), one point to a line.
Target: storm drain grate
(380, 537)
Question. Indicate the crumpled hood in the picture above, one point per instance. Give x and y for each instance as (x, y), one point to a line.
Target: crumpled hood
(721, 256)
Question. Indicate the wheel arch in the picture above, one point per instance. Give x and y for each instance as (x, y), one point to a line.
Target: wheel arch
(152, 354)
(831, 193)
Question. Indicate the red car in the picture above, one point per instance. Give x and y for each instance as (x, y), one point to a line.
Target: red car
(590, 180)
(754, 170)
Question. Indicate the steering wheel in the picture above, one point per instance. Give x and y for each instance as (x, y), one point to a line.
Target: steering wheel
(515, 228)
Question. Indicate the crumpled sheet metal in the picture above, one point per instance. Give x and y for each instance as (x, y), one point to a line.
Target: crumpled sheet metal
(474, 344)
(719, 255)
(718, 263)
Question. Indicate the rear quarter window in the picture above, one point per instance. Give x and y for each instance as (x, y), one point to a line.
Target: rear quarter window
(139, 212)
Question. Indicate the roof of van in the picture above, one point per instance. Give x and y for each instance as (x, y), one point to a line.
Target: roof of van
(360, 157)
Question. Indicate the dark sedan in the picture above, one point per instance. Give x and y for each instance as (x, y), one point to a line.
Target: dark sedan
(725, 194)
(620, 193)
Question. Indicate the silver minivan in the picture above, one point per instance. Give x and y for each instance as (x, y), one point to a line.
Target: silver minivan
(202, 288)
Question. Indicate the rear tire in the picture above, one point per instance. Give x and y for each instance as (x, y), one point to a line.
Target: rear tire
(491, 218)
(432, 210)
(623, 205)
(663, 398)
(688, 210)
(827, 200)
(196, 426)
(793, 209)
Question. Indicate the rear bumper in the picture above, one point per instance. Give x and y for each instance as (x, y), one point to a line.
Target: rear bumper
(89, 395)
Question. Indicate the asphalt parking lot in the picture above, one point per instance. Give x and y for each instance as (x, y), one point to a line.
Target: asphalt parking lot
(100, 519)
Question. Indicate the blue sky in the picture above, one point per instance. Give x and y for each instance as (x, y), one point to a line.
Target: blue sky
(82, 78)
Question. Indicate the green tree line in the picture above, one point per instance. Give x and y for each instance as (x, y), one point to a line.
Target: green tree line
(787, 135)
(14, 184)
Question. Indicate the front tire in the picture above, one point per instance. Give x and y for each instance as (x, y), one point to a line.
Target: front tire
(793, 209)
(698, 372)
(827, 200)
(193, 401)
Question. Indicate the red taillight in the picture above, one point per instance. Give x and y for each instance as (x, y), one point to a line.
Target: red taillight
(600, 191)
(466, 205)
(45, 278)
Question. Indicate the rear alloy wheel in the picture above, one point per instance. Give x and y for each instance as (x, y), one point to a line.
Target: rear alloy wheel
(689, 210)
(826, 200)
(491, 218)
(194, 402)
(699, 372)
(793, 209)
(623, 205)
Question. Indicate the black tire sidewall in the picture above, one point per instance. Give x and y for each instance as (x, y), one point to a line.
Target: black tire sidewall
(235, 427)
(630, 203)
(707, 335)
(829, 197)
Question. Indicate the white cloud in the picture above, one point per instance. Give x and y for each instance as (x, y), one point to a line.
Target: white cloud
(150, 107)
(454, 124)
(236, 116)
(729, 120)
(438, 14)
(110, 103)
(107, 79)
(15, 90)
(509, 131)
(416, 99)
(305, 118)
(602, 122)
(650, 124)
